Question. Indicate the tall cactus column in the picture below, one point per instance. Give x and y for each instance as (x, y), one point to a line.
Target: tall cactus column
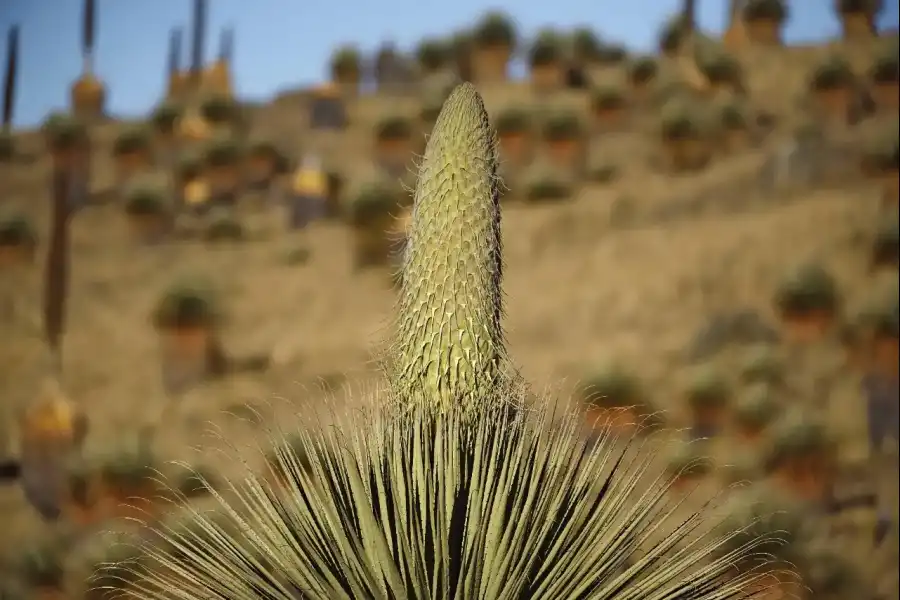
(7, 147)
(217, 79)
(177, 78)
(88, 94)
(449, 345)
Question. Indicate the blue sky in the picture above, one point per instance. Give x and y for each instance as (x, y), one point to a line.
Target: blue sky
(284, 44)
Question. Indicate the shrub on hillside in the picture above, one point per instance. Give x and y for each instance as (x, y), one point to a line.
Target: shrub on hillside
(495, 29)
(346, 64)
(433, 54)
(766, 10)
(832, 73)
(548, 48)
(585, 46)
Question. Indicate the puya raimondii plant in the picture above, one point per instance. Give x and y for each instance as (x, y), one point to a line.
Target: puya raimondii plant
(455, 485)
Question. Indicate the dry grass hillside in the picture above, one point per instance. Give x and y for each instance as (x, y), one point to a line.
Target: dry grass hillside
(658, 246)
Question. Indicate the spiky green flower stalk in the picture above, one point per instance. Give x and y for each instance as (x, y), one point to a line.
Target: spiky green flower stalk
(449, 346)
(438, 492)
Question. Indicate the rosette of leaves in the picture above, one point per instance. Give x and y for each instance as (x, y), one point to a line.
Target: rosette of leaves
(869, 8)
(585, 46)
(372, 204)
(601, 169)
(881, 154)
(796, 437)
(718, 66)
(195, 482)
(775, 11)
(165, 117)
(224, 226)
(222, 151)
(112, 558)
(268, 150)
(611, 54)
(680, 119)
(495, 29)
(707, 389)
(393, 127)
(131, 471)
(732, 115)
(547, 49)
(64, 132)
(762, 364)
(612, 386)
(885, 249)
(563, 125)
(833, 73)
(830, 575)
(41, 565)
(548, 185)
(885, 67)
(17, 232)
(219, 109)
(608, 97)
(346, 64)
(145, 200)
(131, 140)
(688, 460)
(7, 145)
(642, 70)
(189, 165)
(807, 289)
(758, 512)
(187, 304)
(513, 120)
(743, 468)
(671, 36)
(433, 54)
(756, 408)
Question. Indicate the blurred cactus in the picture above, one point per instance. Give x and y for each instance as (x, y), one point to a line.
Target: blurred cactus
(719, 67)
(671, 36)
(642, 70)
(64, 132)
(219, 109)
(224, 226)
(187, 304)
(762, 364)
(834, 72)
(688, 461)
(18, 237)
(765, 10)
(433, 55)
(807, 289)
(131, 141)
(41, 565)
(612, 387)
(755, 409)
(585, 46)
(393, 128)
(548, 185)
(548, 48)
(346, 65)
(885, 251)
(222, 151)
(885, 67)
(165, 118)
(495, 29)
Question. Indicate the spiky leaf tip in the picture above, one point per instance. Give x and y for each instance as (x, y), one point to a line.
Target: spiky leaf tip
(440, 504)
